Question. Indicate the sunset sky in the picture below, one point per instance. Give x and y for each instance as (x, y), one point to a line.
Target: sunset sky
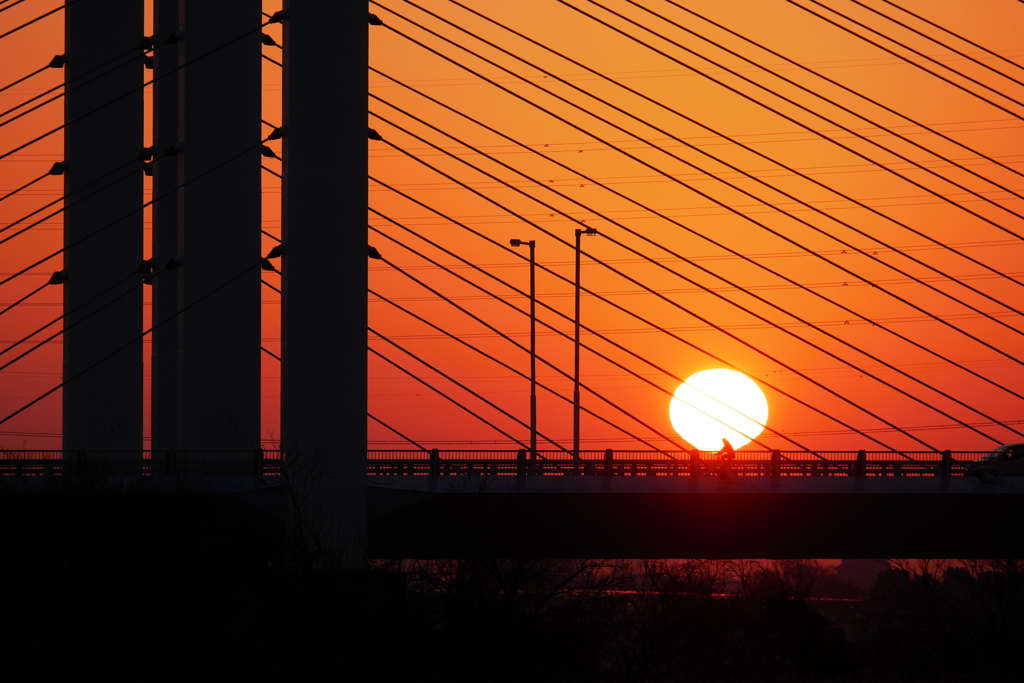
(852, 244)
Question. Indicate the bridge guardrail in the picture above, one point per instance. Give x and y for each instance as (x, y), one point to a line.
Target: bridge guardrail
(670, 463)
(255, 462)
(435, 462)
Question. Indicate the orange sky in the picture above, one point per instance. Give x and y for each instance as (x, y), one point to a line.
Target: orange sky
(644, 154)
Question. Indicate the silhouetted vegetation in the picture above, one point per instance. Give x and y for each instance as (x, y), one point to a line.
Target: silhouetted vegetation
(129, 610)
(150, 587)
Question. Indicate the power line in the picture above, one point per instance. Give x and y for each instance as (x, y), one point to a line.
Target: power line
(25, 298)
(24, 78)
(909, 61)
(562, 195)
(558, 370)
(631, 313)
(953, 33)
(944, 45)
(785, 311)
(23, 187)
(761, 103)
(816, 253)
(521, 348)
(449, 398)
(69, 326)
(128, 344)
(67, 204)
(888, 129)
(130, 213)
(689, 187)
(190, 62)
(735, 337)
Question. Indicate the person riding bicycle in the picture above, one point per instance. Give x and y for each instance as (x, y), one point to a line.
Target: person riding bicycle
(728, 454)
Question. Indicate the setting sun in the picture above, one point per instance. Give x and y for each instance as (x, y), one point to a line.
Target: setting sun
(715, 404)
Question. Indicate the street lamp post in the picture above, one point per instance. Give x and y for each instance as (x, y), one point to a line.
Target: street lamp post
(576, 373)
(533, 347)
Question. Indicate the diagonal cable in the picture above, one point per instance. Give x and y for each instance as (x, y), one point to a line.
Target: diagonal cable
(522, 348)
(723, 298)
(667, 332)
(946, 46)
(190, 62)
(67, 327)
(555, 330)
(24, 187)
(785, 311)
(132, 341)
(24, 78)
(130, 213)
(38, 18)
(810, 179)
(25, 298)
(944, 275)
(392, 429)
(907, 60)
(727, 207)
(445, 395)
(953, 33)
(796, 122)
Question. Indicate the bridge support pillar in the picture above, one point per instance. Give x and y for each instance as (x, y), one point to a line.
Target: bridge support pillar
(102, 397)
(323, 314)
(218, 318)
(164, 368)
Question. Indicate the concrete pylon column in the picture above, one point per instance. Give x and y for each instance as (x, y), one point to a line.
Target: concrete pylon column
(164, 367)
(323, 375)
(218, 332)
(103, 110)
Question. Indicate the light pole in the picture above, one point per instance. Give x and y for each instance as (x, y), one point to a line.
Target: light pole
(576, 374)
(533, 347)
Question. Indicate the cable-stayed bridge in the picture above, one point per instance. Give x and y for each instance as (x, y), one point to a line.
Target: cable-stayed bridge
(824, 196)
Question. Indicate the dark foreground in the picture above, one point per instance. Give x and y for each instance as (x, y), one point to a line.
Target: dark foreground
(124, 617)
(208, 587)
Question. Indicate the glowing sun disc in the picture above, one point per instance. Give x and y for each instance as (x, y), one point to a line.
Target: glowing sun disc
(718, 403)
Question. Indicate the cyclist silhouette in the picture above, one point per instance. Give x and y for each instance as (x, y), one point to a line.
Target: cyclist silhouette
(728, 454)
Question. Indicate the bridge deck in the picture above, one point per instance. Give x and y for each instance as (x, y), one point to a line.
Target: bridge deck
(731, 484)
(695, 517)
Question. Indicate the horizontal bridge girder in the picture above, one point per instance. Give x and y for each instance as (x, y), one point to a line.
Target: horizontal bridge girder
(620, 517)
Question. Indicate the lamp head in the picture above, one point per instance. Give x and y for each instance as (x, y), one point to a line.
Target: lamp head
(515, 243)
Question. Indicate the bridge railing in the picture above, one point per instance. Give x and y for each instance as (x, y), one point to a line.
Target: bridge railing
(436, 462)
(671, 463)
(255, 462)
